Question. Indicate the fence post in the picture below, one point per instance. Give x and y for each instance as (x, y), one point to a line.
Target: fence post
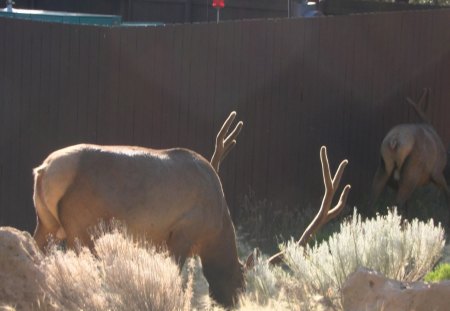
(188, 11)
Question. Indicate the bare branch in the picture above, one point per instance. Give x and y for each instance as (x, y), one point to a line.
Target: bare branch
(325, 214)
(225, 144)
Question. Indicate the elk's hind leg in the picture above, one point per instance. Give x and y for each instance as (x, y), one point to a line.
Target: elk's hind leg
(42, 234)
(379, 182)
(80, 214)
(411, 177)
(439, 180)
(47, 224)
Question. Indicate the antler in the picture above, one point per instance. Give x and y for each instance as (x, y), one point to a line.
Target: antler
(224, 145)
(325, 214)
(422, 106)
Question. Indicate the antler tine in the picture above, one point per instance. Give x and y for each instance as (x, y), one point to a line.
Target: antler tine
(343, 198)
(421, 107)
(230, 141)
(426, 97)
(423, 97)
(224, 145)
(325, 214)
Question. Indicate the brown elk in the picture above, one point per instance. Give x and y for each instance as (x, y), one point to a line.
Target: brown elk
(171, 197)
(412, 155)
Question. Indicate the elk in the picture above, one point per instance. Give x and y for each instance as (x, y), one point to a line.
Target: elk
(412, 155)
(171, 197)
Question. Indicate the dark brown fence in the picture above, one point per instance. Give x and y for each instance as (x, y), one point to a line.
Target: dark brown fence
(298, 84)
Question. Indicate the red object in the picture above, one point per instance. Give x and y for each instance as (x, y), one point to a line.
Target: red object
(218, 4)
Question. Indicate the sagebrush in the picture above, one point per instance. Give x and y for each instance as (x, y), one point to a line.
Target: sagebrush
(401, 250)
(125, 274)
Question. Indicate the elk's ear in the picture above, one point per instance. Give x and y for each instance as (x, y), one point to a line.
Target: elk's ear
(251, 259)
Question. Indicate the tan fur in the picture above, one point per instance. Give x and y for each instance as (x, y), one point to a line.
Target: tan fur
(172, 197)
(412, 155)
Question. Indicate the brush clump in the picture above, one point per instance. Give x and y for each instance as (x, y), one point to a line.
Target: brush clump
(124, 274)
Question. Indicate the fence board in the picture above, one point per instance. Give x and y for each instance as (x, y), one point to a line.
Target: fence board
(3, 211)
(7, 29)
(220, 73)
(441, 76)
(91, 59)
(24, 103)
(296, 86)
(199, 61)
(30, 112)
(205, 96)
(185, 90)
(247, 81)
(177, 77)
(144, 87)
(274, 108)
(17, 177)
(239, 93)
(169, 128)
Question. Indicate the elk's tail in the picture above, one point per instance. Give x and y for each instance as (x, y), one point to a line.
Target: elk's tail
(46, 223)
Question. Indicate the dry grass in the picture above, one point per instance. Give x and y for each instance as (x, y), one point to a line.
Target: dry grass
(127, 274)
(124, 275)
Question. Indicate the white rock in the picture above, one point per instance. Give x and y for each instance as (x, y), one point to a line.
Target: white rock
(367, 290)
(20, 277)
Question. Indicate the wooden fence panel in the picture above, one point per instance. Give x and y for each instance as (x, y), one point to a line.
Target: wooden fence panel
(296, 83)
(442, 63)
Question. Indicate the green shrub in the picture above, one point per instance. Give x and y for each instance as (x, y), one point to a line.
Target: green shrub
(440, 273)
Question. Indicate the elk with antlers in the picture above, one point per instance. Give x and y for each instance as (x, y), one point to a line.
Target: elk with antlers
(171, 197)
(412, 155)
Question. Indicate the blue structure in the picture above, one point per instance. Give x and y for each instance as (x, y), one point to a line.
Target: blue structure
(59, 17)
(62, 17)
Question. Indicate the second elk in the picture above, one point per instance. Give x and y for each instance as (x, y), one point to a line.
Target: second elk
(412, 155)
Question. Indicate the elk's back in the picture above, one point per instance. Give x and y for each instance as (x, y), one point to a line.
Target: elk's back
(152, 191)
